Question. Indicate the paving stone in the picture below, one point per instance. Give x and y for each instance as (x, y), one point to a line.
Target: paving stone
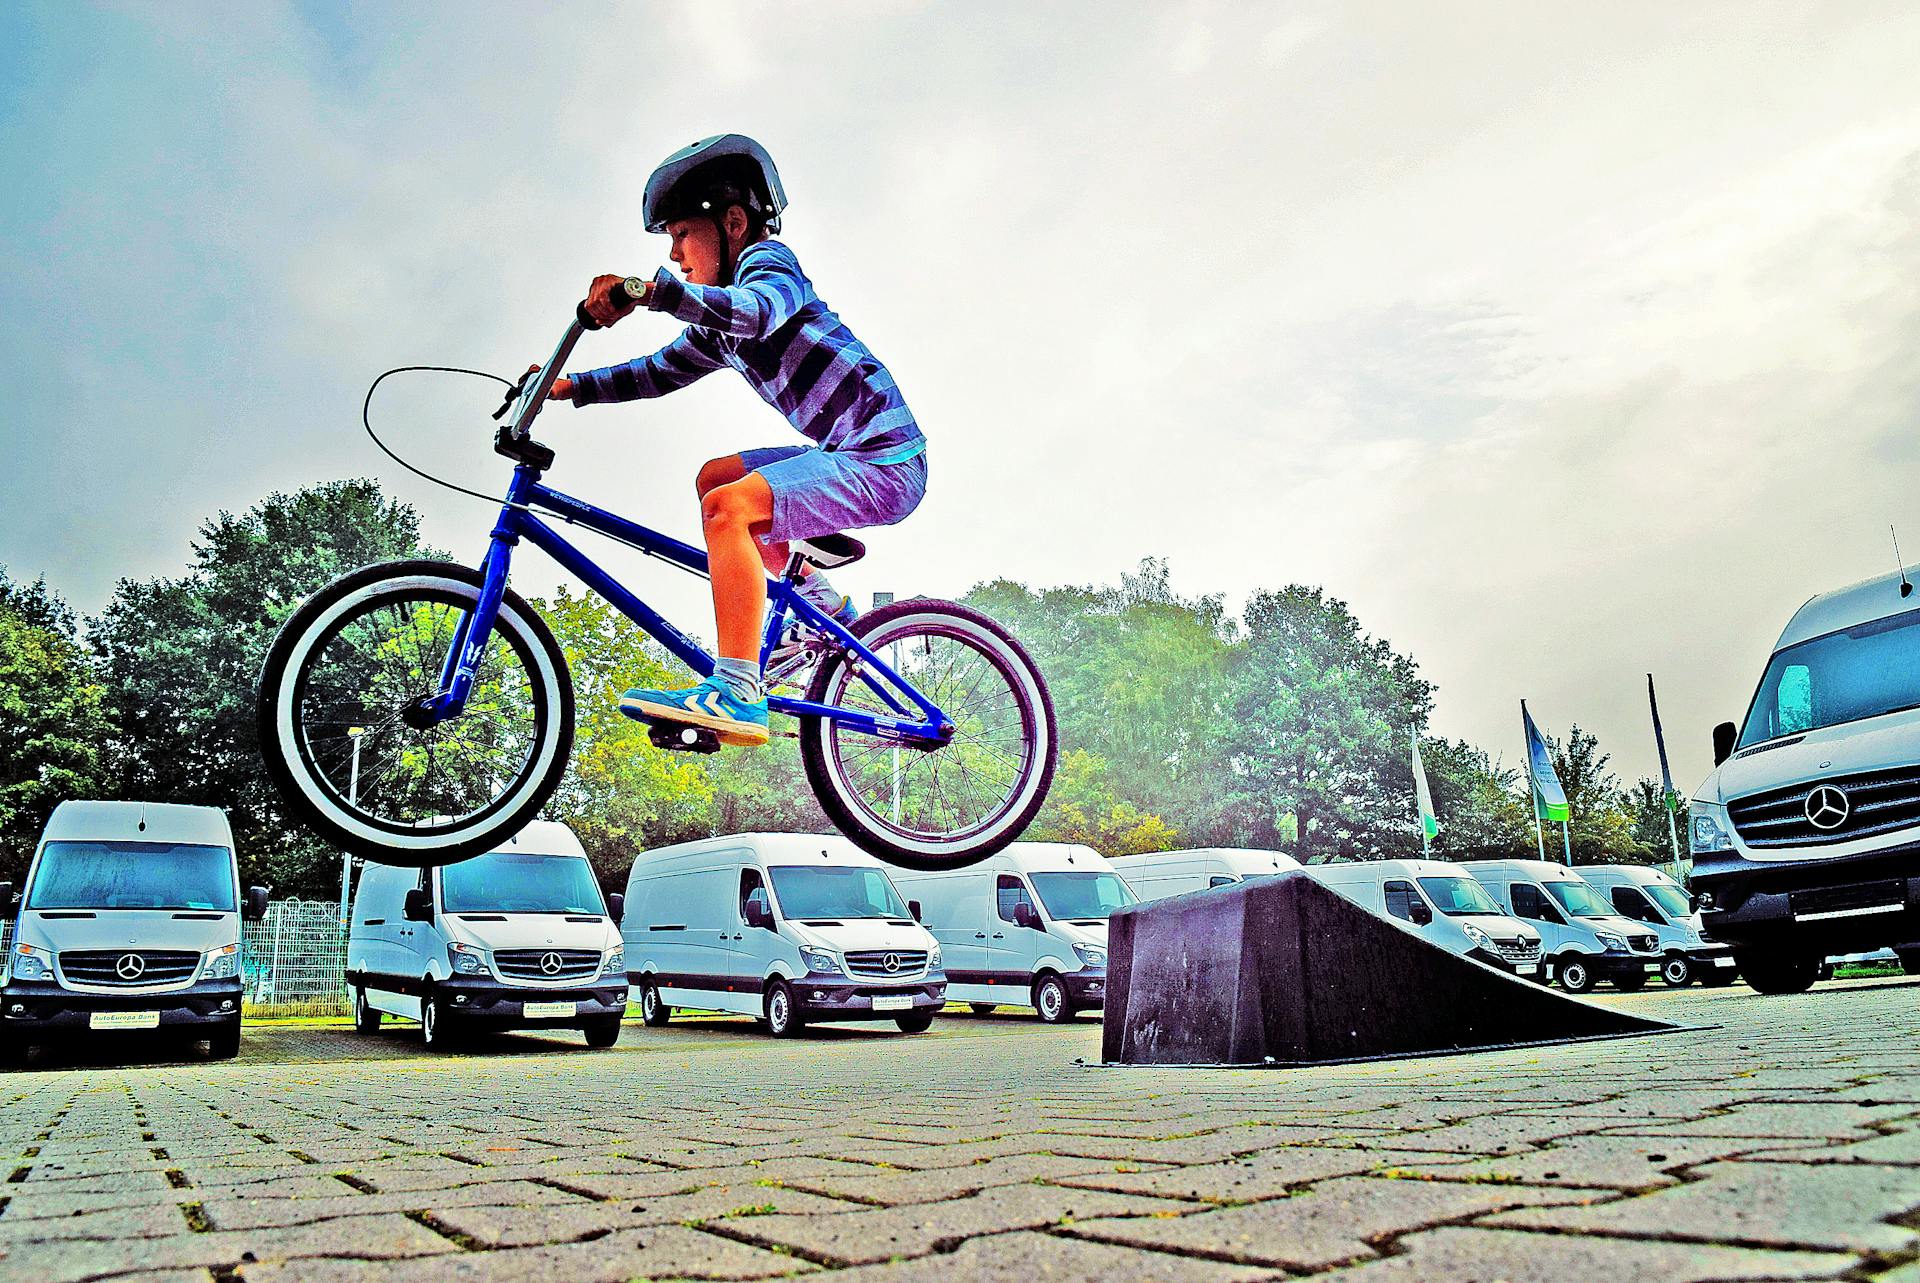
(246, 1213)
(1331, 1222)
(947, 1182)
(370, 1238)
(666, 1252)
(525, 1226)
(1613, 1162)
(1496, 1256)
(1901, 1148)
(1046, 1258)
(120, 1223)
(1772, 1204)
(1267, 1174)
(1824, 1121)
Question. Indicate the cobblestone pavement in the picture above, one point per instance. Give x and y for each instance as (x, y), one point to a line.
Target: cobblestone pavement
(1783, 1144)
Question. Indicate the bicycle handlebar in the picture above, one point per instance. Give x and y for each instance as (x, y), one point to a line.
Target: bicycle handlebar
(533, 393)
(626, 294)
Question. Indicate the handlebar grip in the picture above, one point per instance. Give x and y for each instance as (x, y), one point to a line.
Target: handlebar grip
(626, 294)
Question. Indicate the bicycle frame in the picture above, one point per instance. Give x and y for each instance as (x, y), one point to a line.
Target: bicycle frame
(923, 722)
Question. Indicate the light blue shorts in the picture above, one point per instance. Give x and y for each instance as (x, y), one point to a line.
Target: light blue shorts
(822, 492)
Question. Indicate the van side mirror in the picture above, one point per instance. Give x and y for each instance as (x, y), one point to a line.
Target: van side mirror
(1024, 915)
(255, 907)
(418, 906)
(756, 913)
(1723, 737)
(913, 910)
(1422, 915)
(617, 906)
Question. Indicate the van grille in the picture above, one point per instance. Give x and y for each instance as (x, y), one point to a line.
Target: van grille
(1642, 944)
(110, 967)
(1517, 950)
(534, 964)
(872, 963)
(1877, 802)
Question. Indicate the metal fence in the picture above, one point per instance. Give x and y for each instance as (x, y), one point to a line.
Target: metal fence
(294, 960)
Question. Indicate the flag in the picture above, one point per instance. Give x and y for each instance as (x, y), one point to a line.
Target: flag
(1549, 799)
(1429, 822)
(1660, 742)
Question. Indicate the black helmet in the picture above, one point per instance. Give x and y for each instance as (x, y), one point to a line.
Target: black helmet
(709, 176)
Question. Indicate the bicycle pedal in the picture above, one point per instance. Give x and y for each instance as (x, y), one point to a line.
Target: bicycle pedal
(680, 738)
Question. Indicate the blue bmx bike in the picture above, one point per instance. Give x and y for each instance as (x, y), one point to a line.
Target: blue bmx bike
(420, 712)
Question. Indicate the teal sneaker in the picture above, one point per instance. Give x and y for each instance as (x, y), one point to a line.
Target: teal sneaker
(710, 704)
(791, 661)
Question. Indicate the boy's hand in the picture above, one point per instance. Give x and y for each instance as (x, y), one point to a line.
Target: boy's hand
(562, 389)
(600, 303)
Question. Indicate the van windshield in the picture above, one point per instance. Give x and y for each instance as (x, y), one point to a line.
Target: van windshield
(133, 875)
(1867, 670)
(1579, 899)
(816, 891)
(520, 882)
(1082, 897)
(1458, 896)
(1672, 899)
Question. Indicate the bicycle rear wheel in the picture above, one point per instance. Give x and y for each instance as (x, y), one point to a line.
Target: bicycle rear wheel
(336, 691)
(952, 805)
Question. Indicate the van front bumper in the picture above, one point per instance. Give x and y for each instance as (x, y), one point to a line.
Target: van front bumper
(1086, 988)
(479, 1000)
(1529, 968)
(42, 1004)
(836, 998)
(1841, 904)
(1609, 966)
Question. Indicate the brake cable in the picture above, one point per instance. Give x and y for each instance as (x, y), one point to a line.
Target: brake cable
(366, 421)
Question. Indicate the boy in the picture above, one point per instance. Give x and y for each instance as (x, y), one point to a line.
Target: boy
(748, 305)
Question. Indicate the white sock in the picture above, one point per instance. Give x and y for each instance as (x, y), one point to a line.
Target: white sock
(816, 589)
(742, 678)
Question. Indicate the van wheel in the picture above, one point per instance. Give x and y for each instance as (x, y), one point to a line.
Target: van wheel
(914, 1022)
(1630, 981)
(1772, 973)
(366, 1020)
(980, 1008)
(654, 1010)
(783, 1011)
(1050, 1000)
(603, 1032)
(1909, 960)
(224, 1043)
(1676, 971)
(436, 1027)
(1574, 975)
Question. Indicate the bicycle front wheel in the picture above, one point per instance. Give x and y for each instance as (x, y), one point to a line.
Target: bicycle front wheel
(343, 743)
(940, 807)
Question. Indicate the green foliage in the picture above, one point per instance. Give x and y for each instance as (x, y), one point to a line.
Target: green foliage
(1602, 825)
(54, 729)
(1482, 806)
(1084, 807)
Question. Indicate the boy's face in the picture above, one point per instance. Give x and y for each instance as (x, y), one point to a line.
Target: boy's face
(696, 248)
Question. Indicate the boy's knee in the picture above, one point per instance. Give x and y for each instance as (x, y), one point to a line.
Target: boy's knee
(715, 473)
(725, 506)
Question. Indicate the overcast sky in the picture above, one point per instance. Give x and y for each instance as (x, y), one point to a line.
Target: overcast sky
(1565, 342)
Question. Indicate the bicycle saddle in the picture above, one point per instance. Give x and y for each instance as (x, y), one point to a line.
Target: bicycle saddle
(825, 552)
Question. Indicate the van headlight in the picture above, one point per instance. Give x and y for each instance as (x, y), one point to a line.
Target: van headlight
(221, 964)
(1480, 939)
(1611, 943)
(1708, 829)
(933, 958)
(616, 963)
(1091, 955)
(466, 960)
(819, 960)
(29, 963)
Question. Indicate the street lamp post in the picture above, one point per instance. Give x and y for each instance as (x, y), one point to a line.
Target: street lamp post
(353, 799)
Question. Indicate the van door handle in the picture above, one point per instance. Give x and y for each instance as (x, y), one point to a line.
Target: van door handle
(979, 935)
(998, 935)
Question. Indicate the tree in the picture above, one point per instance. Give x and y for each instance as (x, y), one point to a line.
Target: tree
(1647, 805)
(1602, 826)
(1481, 805)
(181, 660)
(54, 728)
(1083, 807)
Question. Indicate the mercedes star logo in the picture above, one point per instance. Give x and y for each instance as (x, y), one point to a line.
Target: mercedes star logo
(550, 963)
(130, 967)
(1828, 808)
(891, 962)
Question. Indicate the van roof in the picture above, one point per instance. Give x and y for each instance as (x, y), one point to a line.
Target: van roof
(163, 822)
(1860, 603)
(1538, 870)
(1638, 874)
(544, 837)
(1229, 854)
(769, 846)
(1399, 868)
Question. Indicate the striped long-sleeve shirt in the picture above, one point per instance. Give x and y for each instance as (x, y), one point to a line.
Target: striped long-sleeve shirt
(793, 350)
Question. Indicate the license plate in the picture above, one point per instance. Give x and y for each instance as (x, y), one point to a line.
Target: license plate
(1651, 967)
(124, 1020)
(1526, 968)
(549, 1010)
(892, 1002)
(1723, 962)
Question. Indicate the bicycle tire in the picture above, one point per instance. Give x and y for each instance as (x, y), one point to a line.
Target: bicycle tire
(317, 803)
(877, 836)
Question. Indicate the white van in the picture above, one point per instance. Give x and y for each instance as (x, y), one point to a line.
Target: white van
(1026, 927)
(1806, 836)
(1442, 903)
(786, 927)
(131, 920)
(1583, 940)
(1159, 874)
(1648, 896)
(516, 938)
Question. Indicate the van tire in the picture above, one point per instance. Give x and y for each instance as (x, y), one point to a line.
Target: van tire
(654, 1011)
(1909, 960)
(224, 1042)
(435, 1025)
(1050, 999)
(1574, 975)
(1775, 974)
(366, 1019)
(603, 1032)
(783, 1011)
(914, 1022)
(1676, 971)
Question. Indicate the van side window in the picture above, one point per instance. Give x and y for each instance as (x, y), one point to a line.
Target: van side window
(1011, 891)
(1629, 903)
(1400, 900)
(1530, 902)
(750, 881)
(1217, 881)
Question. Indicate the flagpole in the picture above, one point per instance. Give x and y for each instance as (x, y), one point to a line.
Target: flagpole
(1539, 833)
(1566, 839)
(1673, 836)
(1668, 798)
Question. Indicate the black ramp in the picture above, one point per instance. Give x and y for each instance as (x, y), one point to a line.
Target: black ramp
(1283, 970)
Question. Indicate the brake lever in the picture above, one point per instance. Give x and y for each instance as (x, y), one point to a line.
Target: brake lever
(513, 394)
